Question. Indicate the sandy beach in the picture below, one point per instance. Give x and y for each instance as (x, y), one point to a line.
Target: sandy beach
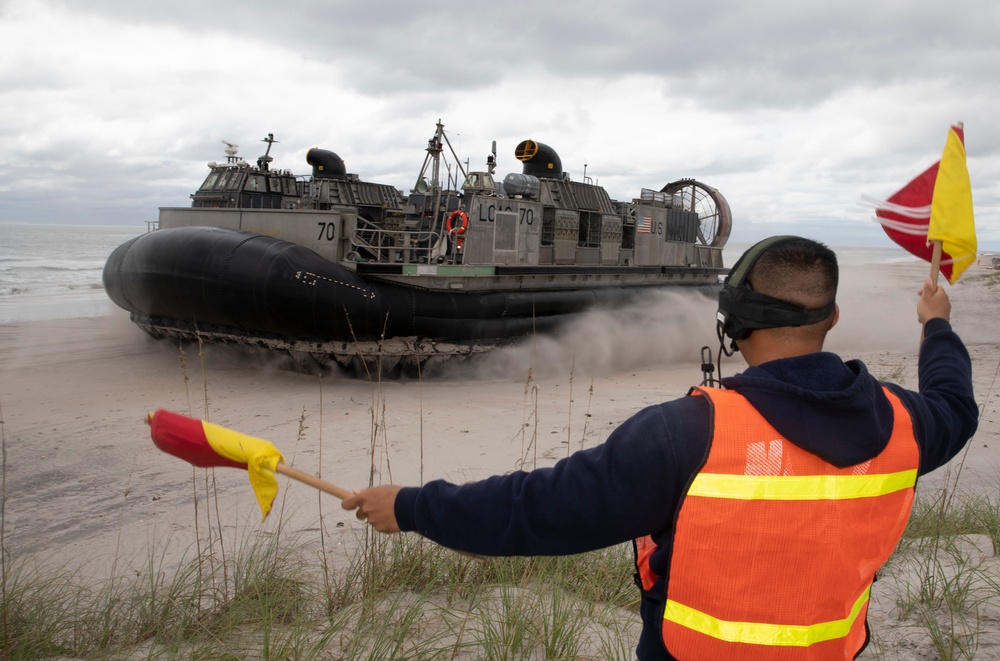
(85, 485)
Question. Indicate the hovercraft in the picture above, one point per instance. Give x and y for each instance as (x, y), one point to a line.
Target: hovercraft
(331, 269)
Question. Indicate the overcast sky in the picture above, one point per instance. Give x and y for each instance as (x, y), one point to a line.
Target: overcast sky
(110, 109)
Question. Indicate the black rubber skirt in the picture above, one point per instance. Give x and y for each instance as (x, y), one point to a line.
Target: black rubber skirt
(256, 284)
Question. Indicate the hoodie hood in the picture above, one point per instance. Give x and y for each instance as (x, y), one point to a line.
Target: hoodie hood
(833, 409)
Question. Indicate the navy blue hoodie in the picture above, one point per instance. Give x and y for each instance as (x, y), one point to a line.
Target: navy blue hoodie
(632, 484)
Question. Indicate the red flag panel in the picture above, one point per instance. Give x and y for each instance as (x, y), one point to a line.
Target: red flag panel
(184, 437)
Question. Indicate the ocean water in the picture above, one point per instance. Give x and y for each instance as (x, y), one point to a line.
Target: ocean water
(54, 271)
(846, 256)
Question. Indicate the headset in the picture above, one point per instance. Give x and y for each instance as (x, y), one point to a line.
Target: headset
(741, 309)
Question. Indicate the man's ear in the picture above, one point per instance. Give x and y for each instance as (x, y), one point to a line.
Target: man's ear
(836, 315)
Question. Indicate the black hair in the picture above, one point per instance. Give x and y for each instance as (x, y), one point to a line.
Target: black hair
(797, 270)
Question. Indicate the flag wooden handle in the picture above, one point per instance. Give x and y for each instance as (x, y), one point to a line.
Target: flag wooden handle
(935, 269)
(312, 481)
(935, 264)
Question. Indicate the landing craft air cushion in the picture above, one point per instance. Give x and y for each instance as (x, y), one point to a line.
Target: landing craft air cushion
(329, 268)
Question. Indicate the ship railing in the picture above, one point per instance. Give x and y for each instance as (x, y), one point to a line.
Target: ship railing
(397, 246)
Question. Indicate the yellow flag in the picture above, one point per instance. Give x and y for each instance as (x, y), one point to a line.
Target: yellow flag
(260, 456)
(951, 220)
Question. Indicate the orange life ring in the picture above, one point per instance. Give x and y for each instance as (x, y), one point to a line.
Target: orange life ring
(449, 225)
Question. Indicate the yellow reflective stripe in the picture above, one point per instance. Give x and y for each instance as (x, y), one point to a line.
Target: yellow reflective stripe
(800, 487)
(757, 633)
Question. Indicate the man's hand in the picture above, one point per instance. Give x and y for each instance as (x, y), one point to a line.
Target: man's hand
(933, 303)
(375, 505)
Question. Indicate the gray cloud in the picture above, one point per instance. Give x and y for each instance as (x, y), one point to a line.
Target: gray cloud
(793, 110)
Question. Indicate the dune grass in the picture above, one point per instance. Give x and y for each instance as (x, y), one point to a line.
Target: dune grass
(402, 597)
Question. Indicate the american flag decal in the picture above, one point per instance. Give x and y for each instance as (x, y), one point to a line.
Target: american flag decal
(645, 225)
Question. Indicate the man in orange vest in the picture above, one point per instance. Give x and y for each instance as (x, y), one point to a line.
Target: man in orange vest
(759, 512)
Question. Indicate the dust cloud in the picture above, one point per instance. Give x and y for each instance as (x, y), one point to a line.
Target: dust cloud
(662, 328)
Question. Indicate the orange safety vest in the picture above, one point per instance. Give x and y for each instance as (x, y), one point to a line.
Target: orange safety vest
(774, 549)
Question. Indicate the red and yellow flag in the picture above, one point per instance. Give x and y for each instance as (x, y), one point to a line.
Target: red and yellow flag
(936, 206)
(207, 445)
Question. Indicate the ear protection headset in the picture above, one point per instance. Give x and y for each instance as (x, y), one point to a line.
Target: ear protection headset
(741, 309)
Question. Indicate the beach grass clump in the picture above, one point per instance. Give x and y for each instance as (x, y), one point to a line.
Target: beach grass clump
(942, 577)
(947, 515)
(165, 605)
(36, 607)
(513, 607)
(264, 586)
(50, 611)
(889, 372)
(990, 279)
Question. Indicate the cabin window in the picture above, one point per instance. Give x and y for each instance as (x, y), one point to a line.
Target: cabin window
(229, 180)
(256, 183)
(235, 180)
(277, 184)
(211, 181)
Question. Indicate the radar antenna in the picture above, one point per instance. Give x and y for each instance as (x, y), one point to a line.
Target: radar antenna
(231, 150)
